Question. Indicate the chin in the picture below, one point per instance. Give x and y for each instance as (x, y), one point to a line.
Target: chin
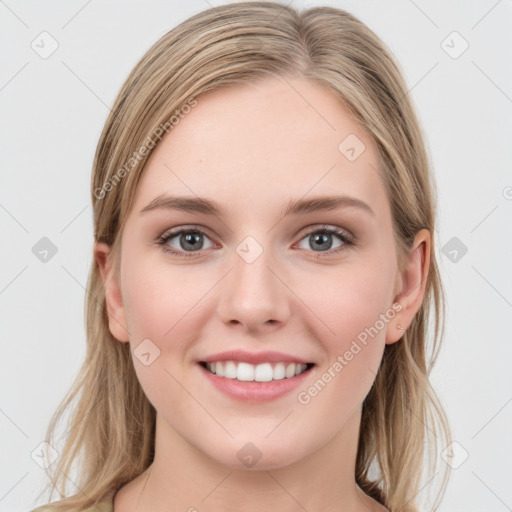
(258, 454)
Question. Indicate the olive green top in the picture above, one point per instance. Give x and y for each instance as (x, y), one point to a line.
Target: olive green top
(104, 506)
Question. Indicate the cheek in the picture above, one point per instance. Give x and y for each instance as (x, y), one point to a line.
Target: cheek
(355, 304)
(160, 300)
(163, 313)
(349, 300)
(164, 304)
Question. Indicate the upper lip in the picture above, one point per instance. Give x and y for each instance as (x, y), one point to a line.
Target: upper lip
(254, 357)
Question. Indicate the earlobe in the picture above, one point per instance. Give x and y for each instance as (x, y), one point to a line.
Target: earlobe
(113, 298)
(411, 289)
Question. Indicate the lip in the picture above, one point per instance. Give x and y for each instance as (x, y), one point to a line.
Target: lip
(252, 391)
(254, 357)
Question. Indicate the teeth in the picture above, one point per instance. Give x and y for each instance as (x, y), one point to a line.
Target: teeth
(264, 372)
(290, 371)
(244, 372)
(230, 370)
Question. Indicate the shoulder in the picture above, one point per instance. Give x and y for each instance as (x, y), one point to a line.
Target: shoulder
(104, 506)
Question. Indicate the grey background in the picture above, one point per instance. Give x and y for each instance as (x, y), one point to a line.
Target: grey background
(53, 110)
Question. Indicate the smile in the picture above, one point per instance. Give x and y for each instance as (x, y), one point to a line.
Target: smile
(264, 372)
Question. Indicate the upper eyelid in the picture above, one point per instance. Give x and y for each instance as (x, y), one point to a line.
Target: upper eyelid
(172, 232)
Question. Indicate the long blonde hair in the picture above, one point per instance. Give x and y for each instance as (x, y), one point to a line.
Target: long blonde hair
(111, 430)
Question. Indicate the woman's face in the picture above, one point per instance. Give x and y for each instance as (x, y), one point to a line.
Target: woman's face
(267, 267)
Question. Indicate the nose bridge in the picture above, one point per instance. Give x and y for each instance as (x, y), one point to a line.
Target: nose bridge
(253, 295)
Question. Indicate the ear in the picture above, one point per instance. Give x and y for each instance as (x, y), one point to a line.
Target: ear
(411, 285)
(116, 313)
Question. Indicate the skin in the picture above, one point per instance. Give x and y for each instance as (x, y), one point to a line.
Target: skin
(252, 149)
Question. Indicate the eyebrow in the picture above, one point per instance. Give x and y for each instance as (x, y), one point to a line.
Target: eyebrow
(205, 206)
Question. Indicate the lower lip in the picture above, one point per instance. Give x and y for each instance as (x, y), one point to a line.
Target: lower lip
(255, 391)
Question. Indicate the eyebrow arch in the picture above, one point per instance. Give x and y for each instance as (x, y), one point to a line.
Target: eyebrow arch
(295, 207)
(324, 203)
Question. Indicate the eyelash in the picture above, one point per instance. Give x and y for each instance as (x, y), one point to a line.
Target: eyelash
(347, 240)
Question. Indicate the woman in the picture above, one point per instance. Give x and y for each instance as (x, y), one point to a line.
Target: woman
(264, 270)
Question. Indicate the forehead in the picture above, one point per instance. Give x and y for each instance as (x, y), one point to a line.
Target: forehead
(257, 146)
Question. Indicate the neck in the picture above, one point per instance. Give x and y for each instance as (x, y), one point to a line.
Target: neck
(183, 478)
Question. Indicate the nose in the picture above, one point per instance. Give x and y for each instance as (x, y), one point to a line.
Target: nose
(254, 297)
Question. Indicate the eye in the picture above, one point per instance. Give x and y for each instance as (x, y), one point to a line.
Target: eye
(184, 240)
(320, 239)
(188, 242)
